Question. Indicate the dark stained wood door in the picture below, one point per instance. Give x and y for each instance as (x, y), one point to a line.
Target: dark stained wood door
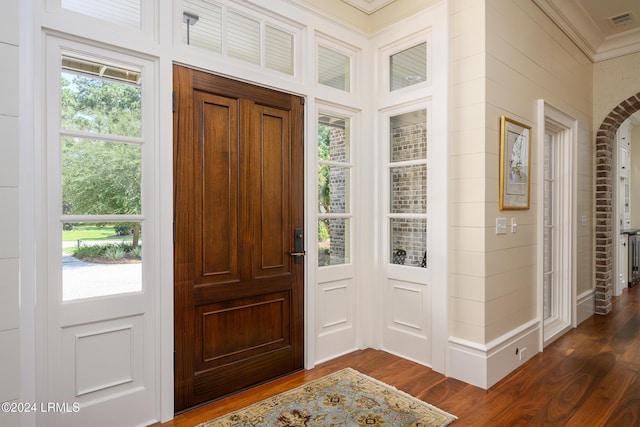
(238, 191)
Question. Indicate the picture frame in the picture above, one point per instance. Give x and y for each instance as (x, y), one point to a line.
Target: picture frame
(515, 164)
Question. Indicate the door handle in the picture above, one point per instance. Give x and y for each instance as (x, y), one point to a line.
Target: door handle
(298, 246)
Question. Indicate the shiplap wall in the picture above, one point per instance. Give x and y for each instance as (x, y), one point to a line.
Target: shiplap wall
(614, 81)
(506, 55)
(9, 219)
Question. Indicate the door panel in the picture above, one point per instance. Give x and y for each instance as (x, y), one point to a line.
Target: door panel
(272, 199)
(238, 293)
(216, 226)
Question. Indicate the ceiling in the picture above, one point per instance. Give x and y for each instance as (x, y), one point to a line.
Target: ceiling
(368, 6)
(589, 24)
(602, 29)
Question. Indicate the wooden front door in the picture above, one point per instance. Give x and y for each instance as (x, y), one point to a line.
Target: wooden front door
(238, 191)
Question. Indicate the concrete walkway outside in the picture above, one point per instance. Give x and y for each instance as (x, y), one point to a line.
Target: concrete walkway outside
(82, 279)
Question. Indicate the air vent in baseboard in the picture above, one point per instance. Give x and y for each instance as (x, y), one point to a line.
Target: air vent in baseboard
(621, 19)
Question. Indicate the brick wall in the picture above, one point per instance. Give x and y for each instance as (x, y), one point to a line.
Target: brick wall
(409, 192)
(605, 148)
(337, 197)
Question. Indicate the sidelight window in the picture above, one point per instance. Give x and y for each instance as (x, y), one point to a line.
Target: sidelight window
(334, 190)
(549, 276)
(408, 188)
(100, 145)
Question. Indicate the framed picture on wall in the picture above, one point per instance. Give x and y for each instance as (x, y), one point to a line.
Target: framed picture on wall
(515, 161)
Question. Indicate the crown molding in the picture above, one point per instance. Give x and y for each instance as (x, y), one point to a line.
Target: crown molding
(579, 28)
(368, 6)
(578, 25)
(619, 45)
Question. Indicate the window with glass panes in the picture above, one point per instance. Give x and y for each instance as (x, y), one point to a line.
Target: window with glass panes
(334, 190)
(100, 147)
(408, 188)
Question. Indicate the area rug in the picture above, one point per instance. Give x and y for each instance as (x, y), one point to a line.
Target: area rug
(344, 398)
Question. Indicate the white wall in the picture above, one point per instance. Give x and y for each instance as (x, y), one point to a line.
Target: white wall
(505, 55)
(9, 218)
(614, 81)
(332, 329)
(368, 23)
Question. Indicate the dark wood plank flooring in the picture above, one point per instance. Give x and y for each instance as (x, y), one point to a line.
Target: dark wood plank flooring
(589, 377)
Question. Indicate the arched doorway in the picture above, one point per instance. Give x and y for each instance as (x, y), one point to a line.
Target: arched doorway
(605, 210)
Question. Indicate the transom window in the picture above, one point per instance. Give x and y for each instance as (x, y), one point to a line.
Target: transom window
(408, 67)
(210, 26)
(334, 69)
(122, 12)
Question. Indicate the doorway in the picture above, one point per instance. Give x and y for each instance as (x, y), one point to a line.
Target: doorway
(604, 176)
(238, 215)
(557, 219)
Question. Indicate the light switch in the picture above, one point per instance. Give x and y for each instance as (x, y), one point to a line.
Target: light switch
(501, 225)
(514, 225)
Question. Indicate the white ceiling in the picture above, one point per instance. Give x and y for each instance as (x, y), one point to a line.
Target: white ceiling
(368, 6)
(588, 24)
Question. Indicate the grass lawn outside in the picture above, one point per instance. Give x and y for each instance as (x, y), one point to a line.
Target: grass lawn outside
(92, 232)
(92, 240)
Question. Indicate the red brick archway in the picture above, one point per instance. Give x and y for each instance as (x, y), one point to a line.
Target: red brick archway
(604, 215)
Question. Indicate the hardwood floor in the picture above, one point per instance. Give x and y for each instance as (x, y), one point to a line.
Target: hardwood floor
(588, 377)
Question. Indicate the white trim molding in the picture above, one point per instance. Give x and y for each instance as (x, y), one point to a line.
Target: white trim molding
(585, 306)
(564, 132)
(485, 365)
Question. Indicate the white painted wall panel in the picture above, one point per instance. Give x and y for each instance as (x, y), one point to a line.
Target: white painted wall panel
(408, 320)
(9, 219)
(614, 81)
(9, 150)
(11, 419)
(104, 359)
(336, 298)
(9, 365)
(511, 56)
(9, 19)
(408, 309)
(335, 324)
(9, 80)
(9, 295)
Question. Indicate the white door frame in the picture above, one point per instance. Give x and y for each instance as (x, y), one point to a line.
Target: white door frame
(101, 359)
(564, 130)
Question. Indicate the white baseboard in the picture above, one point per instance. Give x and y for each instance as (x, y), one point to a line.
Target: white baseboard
(485, 365)
(585, 306)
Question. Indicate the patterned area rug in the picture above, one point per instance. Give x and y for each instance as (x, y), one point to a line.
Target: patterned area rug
(344, 398)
